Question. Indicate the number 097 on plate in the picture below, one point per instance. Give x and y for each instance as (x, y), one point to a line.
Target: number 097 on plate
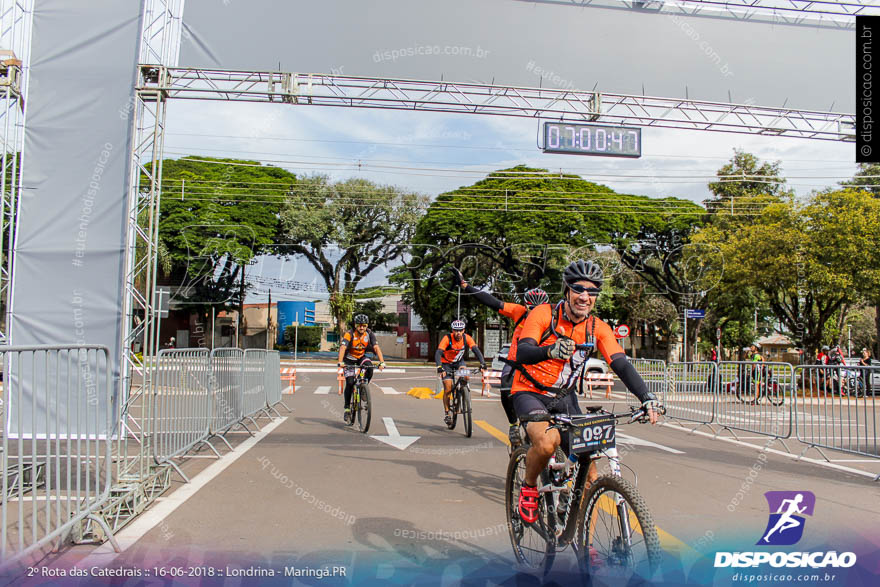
(592, 434)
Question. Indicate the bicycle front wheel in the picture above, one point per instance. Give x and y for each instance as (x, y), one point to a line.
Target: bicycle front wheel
(365, 409)
(534, 545)
(466, 414)
(454, 406)
(615, 537)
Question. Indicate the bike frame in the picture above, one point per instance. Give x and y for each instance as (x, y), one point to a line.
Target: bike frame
(566, 534)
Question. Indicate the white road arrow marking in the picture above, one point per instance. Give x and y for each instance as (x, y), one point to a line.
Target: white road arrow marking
(627, 439)
(394, 438)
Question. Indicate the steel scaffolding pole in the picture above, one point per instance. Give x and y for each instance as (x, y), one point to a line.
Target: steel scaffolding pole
(320, 89)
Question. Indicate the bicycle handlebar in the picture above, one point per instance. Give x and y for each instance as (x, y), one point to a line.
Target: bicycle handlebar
(635, 414)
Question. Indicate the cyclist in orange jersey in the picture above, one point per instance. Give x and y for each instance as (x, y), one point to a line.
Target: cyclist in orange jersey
(553, 349)
(517, 313)
(450, 356)
(353, 351)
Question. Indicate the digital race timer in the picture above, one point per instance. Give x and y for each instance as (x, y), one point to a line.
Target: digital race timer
(592, 139)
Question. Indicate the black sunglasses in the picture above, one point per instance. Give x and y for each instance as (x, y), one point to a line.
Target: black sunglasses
(579, 289)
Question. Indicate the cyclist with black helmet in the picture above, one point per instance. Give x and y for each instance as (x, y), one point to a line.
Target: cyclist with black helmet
(550, 369)
(450, 356)
(518, 313)
(353, 351)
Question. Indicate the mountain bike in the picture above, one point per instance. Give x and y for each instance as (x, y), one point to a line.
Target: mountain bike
(752, 388)
(361, 406)
(607, 523)
(460, 401)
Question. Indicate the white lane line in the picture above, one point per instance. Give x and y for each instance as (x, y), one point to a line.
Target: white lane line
(389, 391)
(323, 389)
(787, 455)
(632, 440)
(165, 506)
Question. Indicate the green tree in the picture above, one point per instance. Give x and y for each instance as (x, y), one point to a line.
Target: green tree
(868, 179)
(517, 229)
(379, 321)
(346, 230)
(807, 260)
(743, 178)
(305, 338)
(217, 215)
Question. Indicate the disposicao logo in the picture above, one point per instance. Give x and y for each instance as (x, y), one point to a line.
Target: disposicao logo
(786, 524)
(784, 528)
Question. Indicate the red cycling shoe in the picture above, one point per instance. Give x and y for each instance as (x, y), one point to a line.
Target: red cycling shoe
(528, 504)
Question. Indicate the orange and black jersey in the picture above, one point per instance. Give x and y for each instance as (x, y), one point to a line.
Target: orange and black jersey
(558, 373)
(516, 313)
(356, 345)
(452, 351)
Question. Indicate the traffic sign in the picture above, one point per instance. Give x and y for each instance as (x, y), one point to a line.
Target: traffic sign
(718, 333)
(695, 313)
(621, 331)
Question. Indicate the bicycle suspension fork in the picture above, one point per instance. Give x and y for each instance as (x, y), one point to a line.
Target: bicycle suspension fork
(622, 510)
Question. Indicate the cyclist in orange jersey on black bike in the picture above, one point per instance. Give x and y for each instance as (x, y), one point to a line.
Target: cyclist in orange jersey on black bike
(553, 349)
(450, 356)
(518, 313)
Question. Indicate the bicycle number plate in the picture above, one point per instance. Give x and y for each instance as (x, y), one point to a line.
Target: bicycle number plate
(350, 371)
(590, 435)
(462, 372)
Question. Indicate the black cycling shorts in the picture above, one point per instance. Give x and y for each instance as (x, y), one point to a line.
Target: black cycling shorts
(528, 403)
(449, 369)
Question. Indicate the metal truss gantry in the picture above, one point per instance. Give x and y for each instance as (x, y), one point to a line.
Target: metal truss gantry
(819, 13)
(16, 18)
(320, 89)
(138, 482)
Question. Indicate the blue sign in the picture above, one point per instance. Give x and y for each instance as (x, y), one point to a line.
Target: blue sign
(695, 313)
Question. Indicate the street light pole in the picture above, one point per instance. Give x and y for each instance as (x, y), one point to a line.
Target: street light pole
(685, 341)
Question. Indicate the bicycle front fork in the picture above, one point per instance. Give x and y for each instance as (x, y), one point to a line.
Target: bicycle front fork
(622, 510)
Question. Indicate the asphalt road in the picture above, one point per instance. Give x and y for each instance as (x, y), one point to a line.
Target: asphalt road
(313, 492)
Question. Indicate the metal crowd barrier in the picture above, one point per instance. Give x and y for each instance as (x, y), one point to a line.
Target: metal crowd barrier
(181, 404)
(836, 408)
(691, 393)
(654, 373)
(56, 459)
(226, 380)
(253, 384)
(273, 381)
(755, 397)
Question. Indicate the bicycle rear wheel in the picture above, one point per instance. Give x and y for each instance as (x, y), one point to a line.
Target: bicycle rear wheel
(615, 537)
(534, 545)
(365, 408)
(466, 414)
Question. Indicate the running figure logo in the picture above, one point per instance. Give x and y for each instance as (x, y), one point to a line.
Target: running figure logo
(787, 509)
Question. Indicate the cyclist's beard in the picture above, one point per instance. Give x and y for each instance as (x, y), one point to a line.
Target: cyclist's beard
(576, 314)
